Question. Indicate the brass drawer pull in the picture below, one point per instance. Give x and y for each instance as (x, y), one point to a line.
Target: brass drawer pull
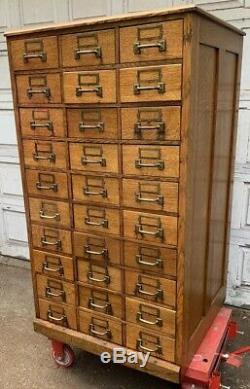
(61, 293)
(86, 161)
(157, 294)
(140, 230)
(158, 320)
(106, 307)
(140, 346)
(101, 192)
(139, 259)
(158, 200)
(48, 125)
(138, 46)
(58, 269)
(42, 215)
(103, 223)
(92, 331)
(53, 187)
(97, 51)
(42, 56)
(50, 157)
(103, 252)
(98, 126)
(33, 91)
(97, 89)
(56, 319)
(57, 243)
(105, 279)
(160, 128)
(160, 87)
(159, 164)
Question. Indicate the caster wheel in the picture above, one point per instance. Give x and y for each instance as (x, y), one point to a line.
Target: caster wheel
(67, 359)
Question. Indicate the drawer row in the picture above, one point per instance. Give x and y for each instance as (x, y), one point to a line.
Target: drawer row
(147, 123)
(152, 83)
(148, 42)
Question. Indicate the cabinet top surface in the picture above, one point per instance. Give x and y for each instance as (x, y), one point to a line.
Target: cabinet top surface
(53, 27)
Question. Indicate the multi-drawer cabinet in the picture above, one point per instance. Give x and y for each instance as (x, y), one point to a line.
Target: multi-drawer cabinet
(126, 132)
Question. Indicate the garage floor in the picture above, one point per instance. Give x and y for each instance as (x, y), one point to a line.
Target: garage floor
(25, 360)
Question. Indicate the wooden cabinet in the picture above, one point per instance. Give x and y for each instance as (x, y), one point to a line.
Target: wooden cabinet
(126, 132)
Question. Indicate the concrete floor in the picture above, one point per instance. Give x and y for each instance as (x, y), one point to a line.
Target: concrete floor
(25, 360)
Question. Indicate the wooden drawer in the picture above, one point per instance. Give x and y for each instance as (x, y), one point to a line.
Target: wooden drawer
(55, 290)
(94, 274)
(45, 154)
(100, 249)
(160, 260)
(100, 326)
(150, 227)
(53, 265)
(38, 53)
(151, 123)
(100, 300)
(151, 42)
(42, 183)
(144, 340)
(38, 88)
(155, 195)
(151, 288)
(161, 83)
(88, 48)
(53, 239)
(96, 219)
(98, 123)
(150, 316)
(97, 189)
(90, 87)
(49, 212)
(162, 161)
(94, 157)
(40, 122)
(60, 314)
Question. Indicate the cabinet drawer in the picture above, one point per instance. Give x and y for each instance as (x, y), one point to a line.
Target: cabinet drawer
(50, 184)
(97, 189)
(94, 274)
(90, 87)
(60, 314)
(150, 316)
(162, 161)
(38, 88)
(97, 248)
(55, 290)
(100, 300)
(151, 288)
(53, 265)
(44, 154)
(161, 83)
(100, 326)
(88, 48)
(144, 340)
(149, 258)
(49, 212)
(150, 227)
(53, 239)
(97, 219)
(38, 53)
(94, 157)
(148, 123)
(162, 196)
(41, 122)
(151, 42)
(95, 123)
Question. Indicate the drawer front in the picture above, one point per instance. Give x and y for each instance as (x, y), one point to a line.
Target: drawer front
(150, 316)
(162, 161)
(50, 184)
(60, 314)
(55, 290)
(151, 42)
(95, 274)
(151, 123)
(150, 227)
(100, 326)
(40, 122)
(38, 53)
(53, 265)
(94, 157)
(162, 196)
(101, 301)
(161, 83)
(99, 249)
(142, 257)
(38, 88)
(95, 123)
(96, 219)
(49, 212)
(89, 48)
(45, 154)
(151, 288)
(144, 340)
(90, 87)
(52, 239)
(96, 189)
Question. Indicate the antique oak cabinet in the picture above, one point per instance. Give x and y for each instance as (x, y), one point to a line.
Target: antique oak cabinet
(126, 132)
